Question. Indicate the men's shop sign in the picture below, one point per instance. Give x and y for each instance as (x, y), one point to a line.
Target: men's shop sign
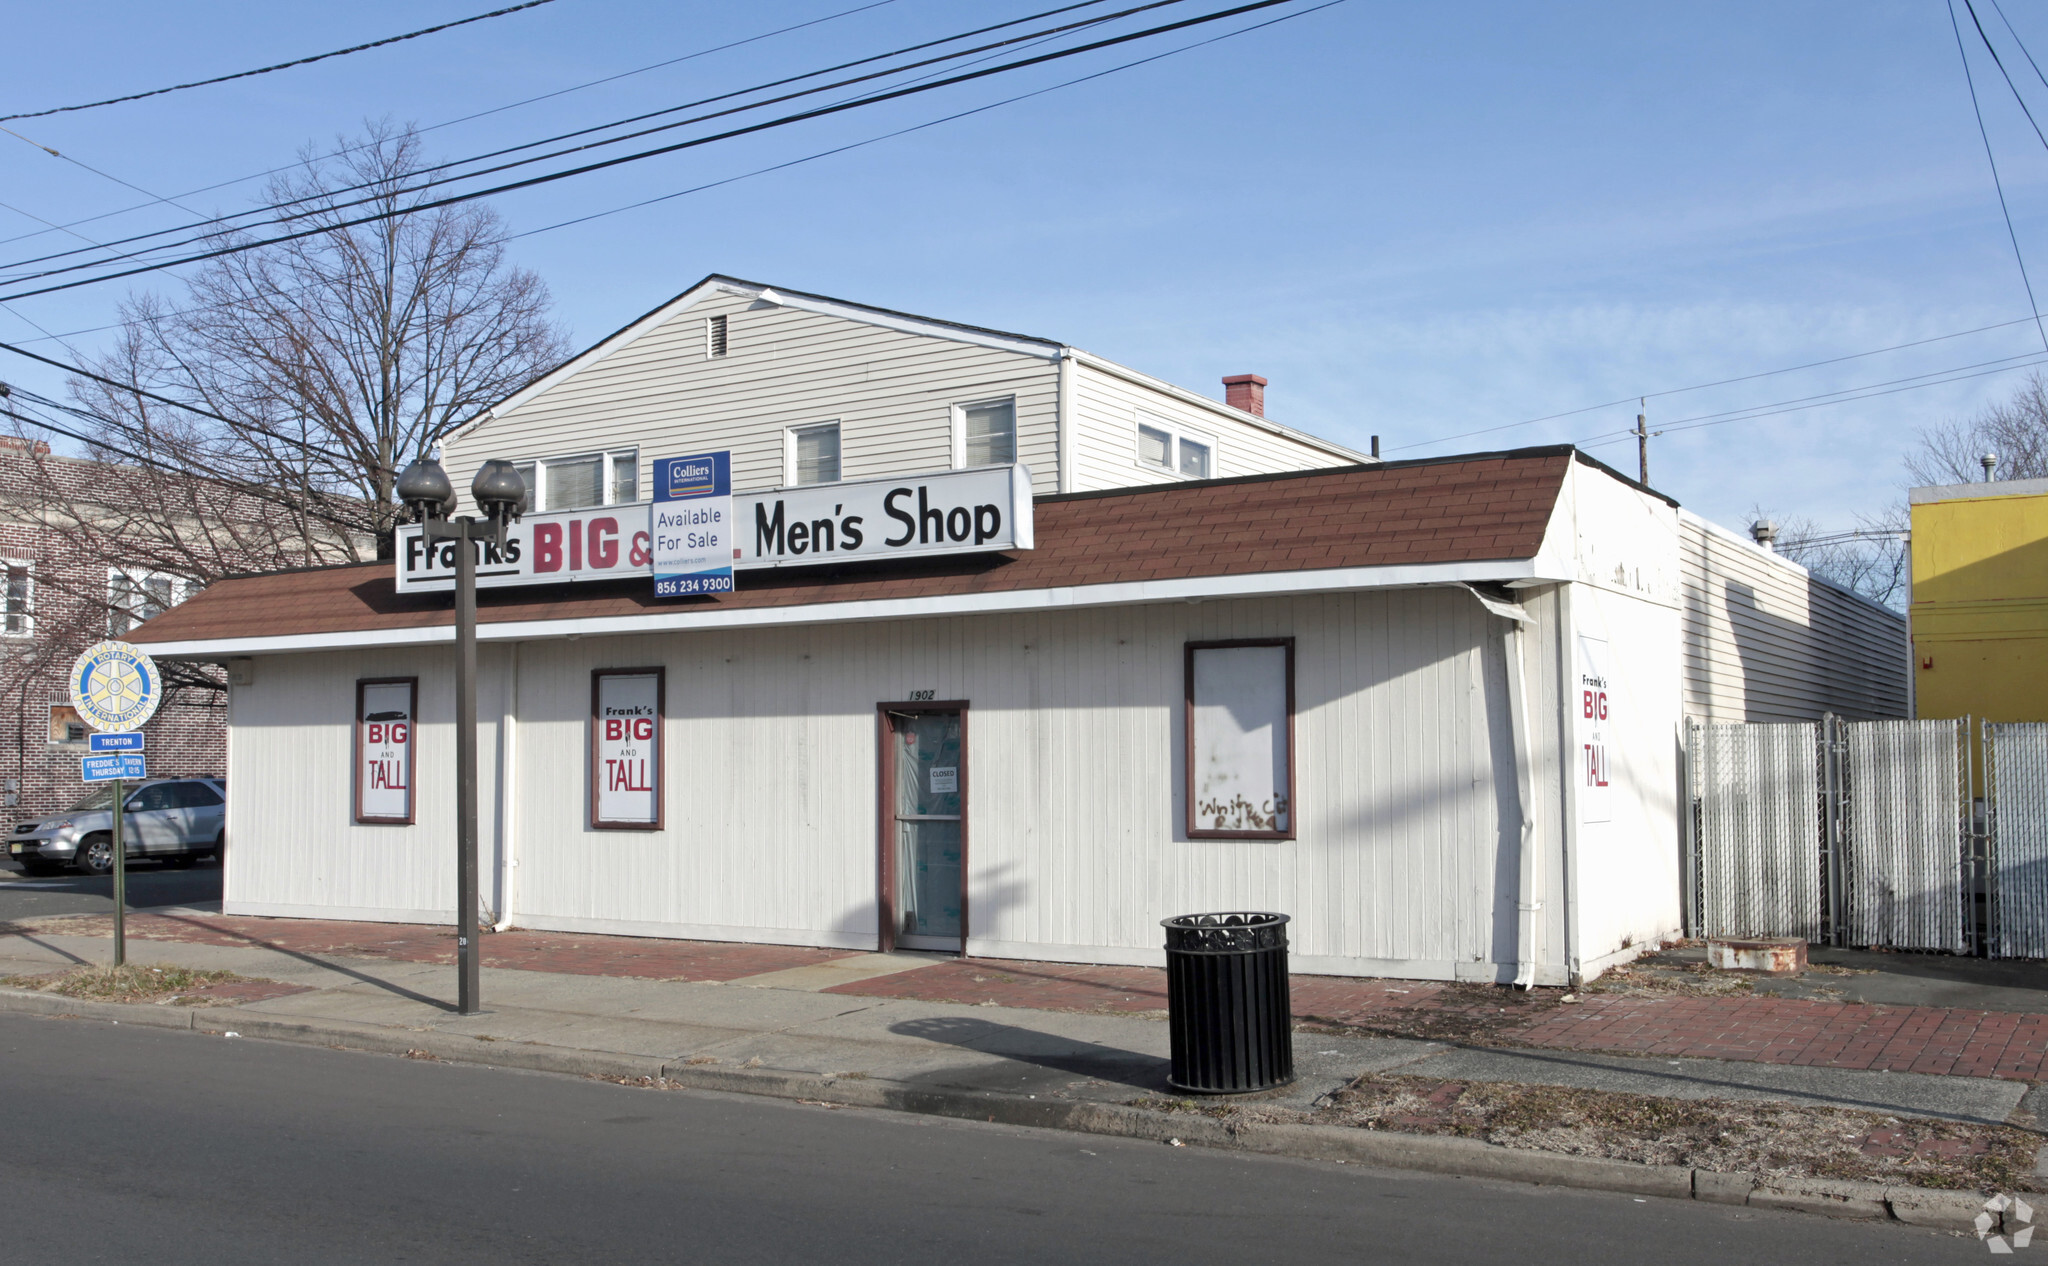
(952, 512)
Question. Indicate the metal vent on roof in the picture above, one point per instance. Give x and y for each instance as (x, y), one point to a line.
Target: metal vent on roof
(714, 336)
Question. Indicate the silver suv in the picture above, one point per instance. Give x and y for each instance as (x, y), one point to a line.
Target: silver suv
(177, 820)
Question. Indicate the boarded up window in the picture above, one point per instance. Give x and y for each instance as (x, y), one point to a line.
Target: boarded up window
(385, 713)
(1240, 739)
(625, 748)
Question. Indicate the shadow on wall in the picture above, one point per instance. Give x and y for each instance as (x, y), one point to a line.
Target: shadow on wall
(1793, 671)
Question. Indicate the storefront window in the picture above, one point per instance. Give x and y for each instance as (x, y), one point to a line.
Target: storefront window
(1240, 739)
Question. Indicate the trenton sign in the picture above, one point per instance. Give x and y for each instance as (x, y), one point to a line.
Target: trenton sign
(950, 512)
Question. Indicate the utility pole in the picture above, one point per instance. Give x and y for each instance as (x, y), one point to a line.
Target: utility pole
(1643, 442)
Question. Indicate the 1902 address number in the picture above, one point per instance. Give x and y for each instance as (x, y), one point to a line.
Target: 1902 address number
(919, 696)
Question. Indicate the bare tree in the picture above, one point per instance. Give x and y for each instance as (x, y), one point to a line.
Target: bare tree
(1869, 559)
(2016, 430)
(333, 359)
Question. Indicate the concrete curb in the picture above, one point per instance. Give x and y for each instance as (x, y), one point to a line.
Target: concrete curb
(1915, 1206)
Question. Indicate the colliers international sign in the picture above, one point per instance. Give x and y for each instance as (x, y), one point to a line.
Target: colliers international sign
(951, 512)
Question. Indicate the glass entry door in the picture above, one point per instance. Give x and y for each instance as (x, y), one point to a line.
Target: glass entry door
(925, 896)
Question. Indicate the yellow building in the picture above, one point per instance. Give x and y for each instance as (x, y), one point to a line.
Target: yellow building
(1980, 600)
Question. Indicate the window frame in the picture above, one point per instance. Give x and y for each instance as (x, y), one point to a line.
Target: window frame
(1195, 832)
(1175, 433)
(605, 457)
(789, 453)
(180, 590)
(28, 614)
(658, 775)
(959, 429)
(412, 755)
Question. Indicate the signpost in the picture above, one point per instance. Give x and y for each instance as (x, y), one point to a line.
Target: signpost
(116, 689)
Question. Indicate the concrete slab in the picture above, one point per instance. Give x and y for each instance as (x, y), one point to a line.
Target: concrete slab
(1912, 1094)
(817, 977)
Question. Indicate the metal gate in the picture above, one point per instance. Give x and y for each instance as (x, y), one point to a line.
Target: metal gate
(2016, 837)
(1756, 799)
(1851, 832)
(1905, 843)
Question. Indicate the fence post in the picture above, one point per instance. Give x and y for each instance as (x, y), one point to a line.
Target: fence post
(1831, 824)
(1689, 834)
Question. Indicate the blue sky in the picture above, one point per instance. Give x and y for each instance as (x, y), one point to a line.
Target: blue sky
(1415, 220)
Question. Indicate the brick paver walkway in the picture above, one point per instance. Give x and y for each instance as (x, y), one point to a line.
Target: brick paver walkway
(1768, 1030)
(574, 954)
(1076, 987)
(1802, 1031)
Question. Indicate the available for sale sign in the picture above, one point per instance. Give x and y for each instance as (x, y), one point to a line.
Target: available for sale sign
(625, 748)
(693, 538)
(384, 750)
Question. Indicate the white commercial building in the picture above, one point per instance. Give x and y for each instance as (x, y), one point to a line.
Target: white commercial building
(1432, 710)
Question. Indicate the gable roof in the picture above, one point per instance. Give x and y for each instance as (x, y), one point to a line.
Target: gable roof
(888, 318)
(1481, 517)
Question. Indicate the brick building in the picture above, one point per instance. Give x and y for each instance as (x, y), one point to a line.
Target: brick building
(59, 597)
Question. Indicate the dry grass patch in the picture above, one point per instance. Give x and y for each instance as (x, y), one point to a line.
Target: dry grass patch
(1723, 1135)
(135, 982)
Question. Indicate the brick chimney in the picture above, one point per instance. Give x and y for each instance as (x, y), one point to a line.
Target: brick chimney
(1247, 392)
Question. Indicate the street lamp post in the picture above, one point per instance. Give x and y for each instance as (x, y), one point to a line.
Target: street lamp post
(500, 493)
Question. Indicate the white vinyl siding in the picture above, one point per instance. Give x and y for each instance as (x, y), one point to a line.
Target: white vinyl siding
(1402, 701)
(892, 392)
(1110, 451)
(1765, 641)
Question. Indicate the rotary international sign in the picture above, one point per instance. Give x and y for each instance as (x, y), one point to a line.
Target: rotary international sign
(115, 687)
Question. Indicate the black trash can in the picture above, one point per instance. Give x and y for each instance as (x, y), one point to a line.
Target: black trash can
(1227, 1005)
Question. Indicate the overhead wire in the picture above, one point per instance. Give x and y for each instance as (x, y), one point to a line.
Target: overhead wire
(265, 70)
(433, 127)
(221, 223)
(1969, 77)
(550, 177)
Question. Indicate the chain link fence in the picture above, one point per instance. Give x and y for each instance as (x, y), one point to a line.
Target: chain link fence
(1862, 833)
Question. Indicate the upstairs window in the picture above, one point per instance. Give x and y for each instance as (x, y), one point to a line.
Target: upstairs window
(986, 433)
(588, 479)
(1163, 445)
(714, 337)
(814, 454)
(135, 596)
(16, 617)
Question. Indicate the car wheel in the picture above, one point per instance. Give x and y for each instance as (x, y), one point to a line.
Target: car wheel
(220, 849)
(96, 854)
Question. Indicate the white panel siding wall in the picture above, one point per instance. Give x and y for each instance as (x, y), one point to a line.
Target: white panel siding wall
(1075, 823)
(892, 394)
(1765, 641)
(293, 848)
(1106, 409)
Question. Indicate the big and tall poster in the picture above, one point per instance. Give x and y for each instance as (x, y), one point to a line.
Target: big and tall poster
(625, 748)
(1594, 716)
(384, 750)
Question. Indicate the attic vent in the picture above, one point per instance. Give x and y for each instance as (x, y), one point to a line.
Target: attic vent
(714, 336)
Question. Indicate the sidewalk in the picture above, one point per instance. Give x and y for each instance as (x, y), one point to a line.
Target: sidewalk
(905, 1029)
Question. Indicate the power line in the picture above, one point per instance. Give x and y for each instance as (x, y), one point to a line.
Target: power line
(147, 394)
(434, 127)
(1975, 109)
(264, 70)
(1770, 411)
(1654, 395)
(383, 191)
(820, 112)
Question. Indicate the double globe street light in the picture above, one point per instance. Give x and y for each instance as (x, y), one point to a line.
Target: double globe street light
(501, 493)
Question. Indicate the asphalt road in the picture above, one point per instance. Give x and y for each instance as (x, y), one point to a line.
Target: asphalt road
(150, 884)
(124, 1144)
